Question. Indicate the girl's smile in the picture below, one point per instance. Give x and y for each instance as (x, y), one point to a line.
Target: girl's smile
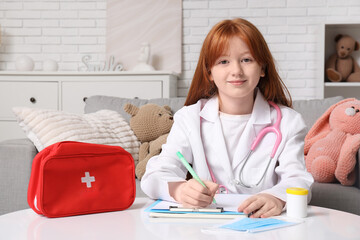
(237, 82)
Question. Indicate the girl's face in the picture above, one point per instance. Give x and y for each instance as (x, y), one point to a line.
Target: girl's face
(236, 73)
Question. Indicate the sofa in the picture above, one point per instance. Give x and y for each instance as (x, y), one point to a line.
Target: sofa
(16, 157)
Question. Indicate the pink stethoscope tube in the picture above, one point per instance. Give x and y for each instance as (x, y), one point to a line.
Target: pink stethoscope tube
(275, 128)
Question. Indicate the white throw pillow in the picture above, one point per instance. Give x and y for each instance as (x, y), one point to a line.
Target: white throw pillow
(45, 127)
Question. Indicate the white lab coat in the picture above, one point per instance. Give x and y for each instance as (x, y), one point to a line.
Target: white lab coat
(287, 168)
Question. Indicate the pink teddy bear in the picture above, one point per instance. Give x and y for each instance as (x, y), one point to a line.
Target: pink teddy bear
(333, 142)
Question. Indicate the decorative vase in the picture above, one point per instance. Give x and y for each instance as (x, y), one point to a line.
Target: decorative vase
(143, 60)
(50, 65)
(24, 63)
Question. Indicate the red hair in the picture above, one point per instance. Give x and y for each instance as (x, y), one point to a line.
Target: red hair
(217, 42)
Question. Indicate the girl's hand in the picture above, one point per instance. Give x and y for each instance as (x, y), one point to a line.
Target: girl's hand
(192, 194)
(262, 205)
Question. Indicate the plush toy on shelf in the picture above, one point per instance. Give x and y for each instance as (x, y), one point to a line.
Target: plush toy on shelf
(341, 66)
(332, 143)
(151, 124)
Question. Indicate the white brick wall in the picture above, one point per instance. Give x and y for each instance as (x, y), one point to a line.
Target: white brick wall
(67, 30)
(59, 30)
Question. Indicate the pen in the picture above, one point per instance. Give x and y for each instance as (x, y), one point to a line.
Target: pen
(192, 172)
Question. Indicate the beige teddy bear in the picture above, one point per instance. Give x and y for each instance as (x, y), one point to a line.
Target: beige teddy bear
(341, 66)
(151, 124)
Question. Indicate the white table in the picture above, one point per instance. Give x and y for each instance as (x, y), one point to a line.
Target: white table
(134, 223)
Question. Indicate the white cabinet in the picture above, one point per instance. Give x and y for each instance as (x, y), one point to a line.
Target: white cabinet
(345, 89)
(67, 91)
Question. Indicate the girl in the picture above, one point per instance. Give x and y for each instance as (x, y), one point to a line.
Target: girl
(225, 110)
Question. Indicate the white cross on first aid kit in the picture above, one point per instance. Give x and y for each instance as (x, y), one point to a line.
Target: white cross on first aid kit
(88, 179)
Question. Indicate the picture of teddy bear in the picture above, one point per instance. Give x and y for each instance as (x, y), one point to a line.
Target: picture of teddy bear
(151, 124)
(341, 66)
(332, 143)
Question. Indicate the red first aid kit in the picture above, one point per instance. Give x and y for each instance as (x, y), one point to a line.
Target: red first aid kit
(73, 178)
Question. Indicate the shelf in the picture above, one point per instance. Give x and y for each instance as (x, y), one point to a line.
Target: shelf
(84, 73)
(342, 84)
(330, 30)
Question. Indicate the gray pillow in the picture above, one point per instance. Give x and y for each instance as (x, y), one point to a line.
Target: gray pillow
(96, 103)
(311, 109)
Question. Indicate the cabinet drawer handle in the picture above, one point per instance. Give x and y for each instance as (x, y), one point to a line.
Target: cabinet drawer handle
(84, 99)
(33, 100)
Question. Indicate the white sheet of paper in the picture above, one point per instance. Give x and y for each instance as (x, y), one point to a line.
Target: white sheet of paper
(229, 202)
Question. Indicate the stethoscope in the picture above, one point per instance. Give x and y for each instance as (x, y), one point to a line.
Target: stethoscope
(275, 128)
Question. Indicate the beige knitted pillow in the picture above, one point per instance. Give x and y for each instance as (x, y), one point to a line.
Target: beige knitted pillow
(45, 127)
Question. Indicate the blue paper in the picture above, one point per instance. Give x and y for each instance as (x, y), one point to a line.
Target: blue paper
(256, 224)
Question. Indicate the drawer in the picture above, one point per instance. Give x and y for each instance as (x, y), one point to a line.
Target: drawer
(10, 130)
(27, 94)
(73, 93)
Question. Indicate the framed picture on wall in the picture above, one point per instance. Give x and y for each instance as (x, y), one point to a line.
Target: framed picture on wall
(131, 25)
